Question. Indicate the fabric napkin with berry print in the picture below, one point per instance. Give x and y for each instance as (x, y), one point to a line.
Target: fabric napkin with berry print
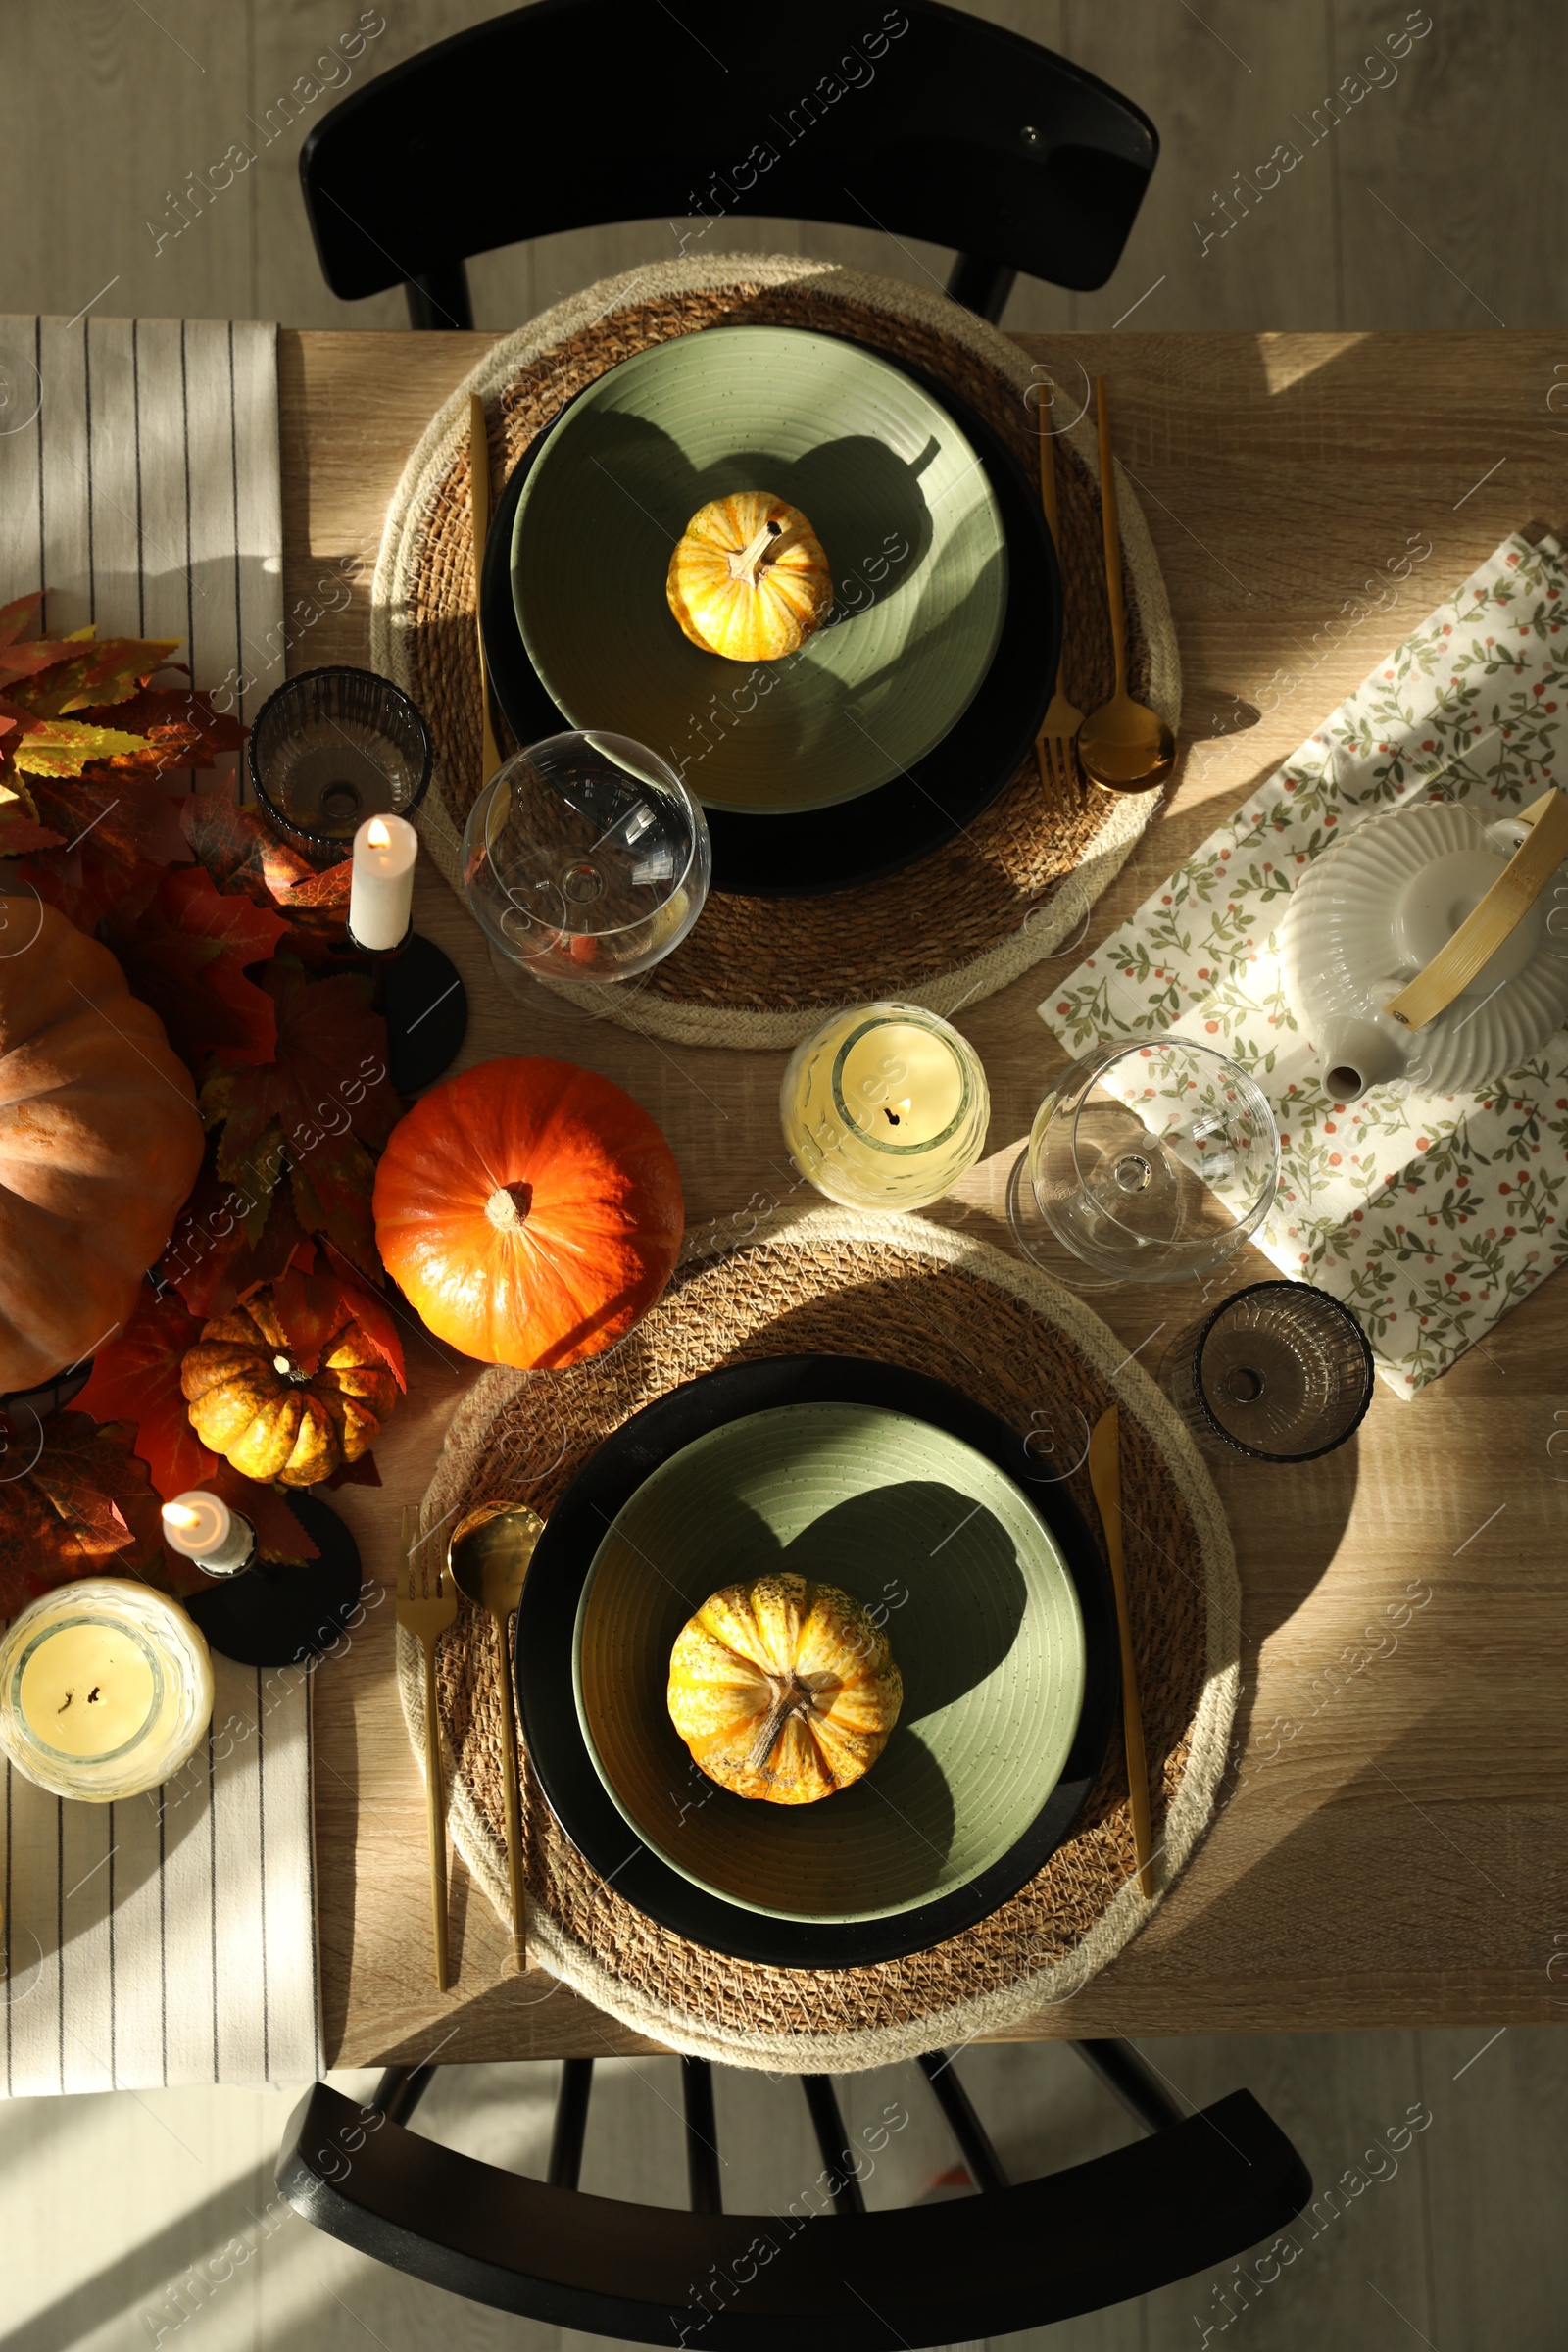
(1429, 1216)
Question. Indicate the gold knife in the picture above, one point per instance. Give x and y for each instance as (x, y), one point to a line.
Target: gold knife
(1105, 1476)
(479, 470)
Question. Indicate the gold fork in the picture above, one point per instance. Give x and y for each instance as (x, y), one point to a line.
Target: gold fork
(427, 1604)
(1056, 743)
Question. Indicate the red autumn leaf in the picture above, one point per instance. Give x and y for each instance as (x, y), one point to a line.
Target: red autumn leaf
(238, 848)
(332, 1199)
(118, 819)
(21, 832)
(76, 1503)
(376, 1317)
(88, 675)
(363, 1473)
(185, 950)
(228, 1240)
(327, 1078)
(21, 614)
(137, 1377)
(329, 889)
(180, 727)
(317, 1294)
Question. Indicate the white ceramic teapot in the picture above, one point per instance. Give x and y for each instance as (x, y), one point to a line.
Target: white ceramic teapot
(1427, 945)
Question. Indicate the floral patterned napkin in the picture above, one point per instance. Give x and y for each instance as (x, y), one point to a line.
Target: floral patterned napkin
(1429, 1216)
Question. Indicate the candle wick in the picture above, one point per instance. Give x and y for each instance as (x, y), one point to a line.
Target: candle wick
(891, 1117)
(92, 1694)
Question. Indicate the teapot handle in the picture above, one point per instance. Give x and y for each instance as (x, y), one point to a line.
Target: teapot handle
(1488, 923)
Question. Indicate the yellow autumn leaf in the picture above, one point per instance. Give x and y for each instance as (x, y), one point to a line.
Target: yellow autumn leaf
(62, 747)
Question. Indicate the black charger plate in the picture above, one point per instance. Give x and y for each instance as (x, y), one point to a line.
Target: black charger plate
(546, 1618)
(820, 850)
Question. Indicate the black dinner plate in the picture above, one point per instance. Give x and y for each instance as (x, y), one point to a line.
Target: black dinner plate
(547, 1619)
(815, 850)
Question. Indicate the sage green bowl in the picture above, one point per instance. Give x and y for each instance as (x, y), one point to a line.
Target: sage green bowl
(976, 1601)
(875, 464)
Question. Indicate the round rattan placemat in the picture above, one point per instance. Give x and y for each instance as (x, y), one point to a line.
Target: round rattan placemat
(921, 1296)
(762, 973)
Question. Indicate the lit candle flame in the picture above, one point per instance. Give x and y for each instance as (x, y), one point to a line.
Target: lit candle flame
(179, 1514)
(376, 834)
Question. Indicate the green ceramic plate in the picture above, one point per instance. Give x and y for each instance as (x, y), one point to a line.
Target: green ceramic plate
(981, 1615)
(876, 466)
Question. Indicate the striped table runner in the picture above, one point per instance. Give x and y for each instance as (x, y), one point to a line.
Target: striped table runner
(169, 1938)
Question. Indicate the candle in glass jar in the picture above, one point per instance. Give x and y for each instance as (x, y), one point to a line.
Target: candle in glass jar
(204, 1527)
(885, 1107)
(106, 1688)
(381, 886)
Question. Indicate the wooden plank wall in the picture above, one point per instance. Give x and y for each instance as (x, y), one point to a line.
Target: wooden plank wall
(1418, 207)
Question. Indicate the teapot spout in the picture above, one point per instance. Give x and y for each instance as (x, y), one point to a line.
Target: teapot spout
(1357, 1055)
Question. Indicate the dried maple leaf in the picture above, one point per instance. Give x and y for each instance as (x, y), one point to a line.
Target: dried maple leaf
(89, 674)
(183, 949)
(15, 616)
(229, 1238)
(64, 746)
(332, 1198)
(179, 729)
(237, 847)
(317, 1294)
(330, 1076)
(79, 1504)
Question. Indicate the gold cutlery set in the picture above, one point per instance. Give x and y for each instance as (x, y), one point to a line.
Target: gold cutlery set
(486, 1559)
(1123, 745)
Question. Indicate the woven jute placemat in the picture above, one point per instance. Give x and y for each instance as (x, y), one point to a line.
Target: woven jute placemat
(763, 972)
(836, 1282)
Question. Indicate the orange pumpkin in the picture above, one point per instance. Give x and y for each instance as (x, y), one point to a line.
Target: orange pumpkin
(530, 1211)
(748, 578)
(99, 1142)
(783, 1689)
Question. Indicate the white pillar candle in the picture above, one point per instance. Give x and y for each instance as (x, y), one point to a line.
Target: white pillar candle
(204, 1527)
(381, 889)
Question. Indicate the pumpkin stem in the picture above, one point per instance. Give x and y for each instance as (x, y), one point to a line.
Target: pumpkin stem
(508, 1207)
(747, 563)
(792, 1696)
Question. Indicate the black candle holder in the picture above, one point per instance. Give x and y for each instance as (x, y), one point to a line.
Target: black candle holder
(421, 997)
(281, 1612)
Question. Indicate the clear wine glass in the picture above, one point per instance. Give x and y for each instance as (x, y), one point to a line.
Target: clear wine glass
(585, 857)
(1280, 1372)
(1146, 1162)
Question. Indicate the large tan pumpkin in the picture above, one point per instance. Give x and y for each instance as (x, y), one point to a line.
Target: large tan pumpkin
(783, 1689)
(99, 1142)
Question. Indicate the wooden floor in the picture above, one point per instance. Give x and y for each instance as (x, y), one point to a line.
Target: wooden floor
(1435, 202)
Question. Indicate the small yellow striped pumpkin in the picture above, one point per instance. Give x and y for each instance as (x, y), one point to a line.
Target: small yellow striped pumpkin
(783, 1689)
(748, 578)
(248, 1400)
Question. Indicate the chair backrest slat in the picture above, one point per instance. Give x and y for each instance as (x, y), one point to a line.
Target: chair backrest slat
(1121, 2225)
(928, 122)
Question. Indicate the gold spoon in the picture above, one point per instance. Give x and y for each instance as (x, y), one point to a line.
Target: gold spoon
(1123, 745)
(488, 1553)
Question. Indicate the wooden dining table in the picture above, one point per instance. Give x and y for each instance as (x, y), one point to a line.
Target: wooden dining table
(1392, 1848)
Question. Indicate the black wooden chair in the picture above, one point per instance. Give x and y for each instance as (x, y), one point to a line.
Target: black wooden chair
(916, 120)
(1197, 2190)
